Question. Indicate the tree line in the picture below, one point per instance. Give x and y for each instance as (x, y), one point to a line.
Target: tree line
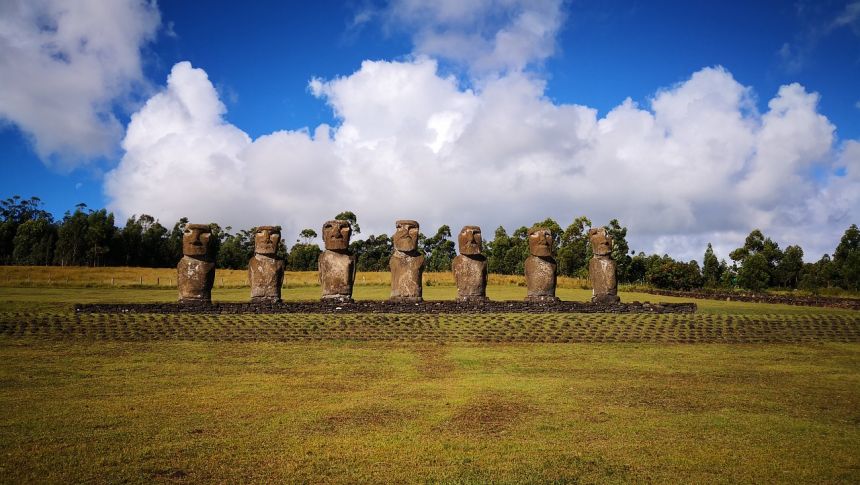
(29, 235)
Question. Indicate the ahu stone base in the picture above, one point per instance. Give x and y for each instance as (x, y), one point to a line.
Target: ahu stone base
(429, 307)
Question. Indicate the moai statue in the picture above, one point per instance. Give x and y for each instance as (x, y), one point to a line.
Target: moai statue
(265, 270)
(195, 273)
(407, 264)
(336, 264)
(601, 268)
(470, 267)
(540, 266)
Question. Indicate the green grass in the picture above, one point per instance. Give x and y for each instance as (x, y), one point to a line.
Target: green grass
(63, 299)
(361, 412)
(301, 398)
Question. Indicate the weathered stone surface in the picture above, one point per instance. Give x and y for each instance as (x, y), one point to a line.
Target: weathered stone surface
(265, 271)
(406, 263)
(540, 267)
(470, 240)
(470, 267)
(601, 274)
(336, 264)
(195, 273)
(601, 268)
(336, 234)
(470, 275)
(541, 242)
(540, 278)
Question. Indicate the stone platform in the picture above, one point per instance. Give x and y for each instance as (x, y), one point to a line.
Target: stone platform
(429, 307)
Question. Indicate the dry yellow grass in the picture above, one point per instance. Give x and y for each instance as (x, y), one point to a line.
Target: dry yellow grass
(123, 276)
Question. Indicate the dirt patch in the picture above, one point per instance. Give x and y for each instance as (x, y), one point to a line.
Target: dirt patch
(169, 474)
(373, 416)
(667, 399)
(432, 361)
(490, 414)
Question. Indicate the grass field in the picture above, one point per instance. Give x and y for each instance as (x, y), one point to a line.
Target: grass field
(127, 277)
(423, 398)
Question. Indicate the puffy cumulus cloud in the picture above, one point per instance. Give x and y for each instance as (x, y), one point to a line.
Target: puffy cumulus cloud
(63, 65)
(484, 35)
(183, 159)
(698, 164)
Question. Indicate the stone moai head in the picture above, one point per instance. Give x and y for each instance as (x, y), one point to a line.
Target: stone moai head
(470, 241)
(601, 242)
(336, 235)
(406, 236)
(540, 242)
(197, 241)
(266, 240)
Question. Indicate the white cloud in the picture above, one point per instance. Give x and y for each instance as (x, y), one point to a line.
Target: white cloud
(484, 35)
(182, 159)
(699, 164)
(63, 66)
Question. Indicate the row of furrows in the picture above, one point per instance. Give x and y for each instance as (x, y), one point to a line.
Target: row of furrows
(453, 328)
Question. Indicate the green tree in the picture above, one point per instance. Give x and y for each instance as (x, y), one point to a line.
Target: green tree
(515, 259)
(100, 230)
(846, 260)
(307, 235)
(754, 274)
(789, 267)
(174, 241)
(728, 274)
(14, 212)
(639, 265)
(620, 250)
(440, 250)
(131, 237)
(236, 249)
(573, 248)
(71, 238)
(373, 253)
(303, 257)
(757, 244)
(710, 267)
(817, 275)
(34, 242)
(497, 250)
(154, 244)
(675, 275)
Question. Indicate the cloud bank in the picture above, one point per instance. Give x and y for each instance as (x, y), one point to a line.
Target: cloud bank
(64, 65)
(698, 164)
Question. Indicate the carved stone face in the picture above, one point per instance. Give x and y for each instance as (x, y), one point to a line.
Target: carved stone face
(266, 240)
(601, 242)
(470, 240)
(540, 241)
(197, 241)
(336, 235)
(406, 236)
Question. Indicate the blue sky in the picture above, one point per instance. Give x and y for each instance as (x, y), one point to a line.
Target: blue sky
(261, 56)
